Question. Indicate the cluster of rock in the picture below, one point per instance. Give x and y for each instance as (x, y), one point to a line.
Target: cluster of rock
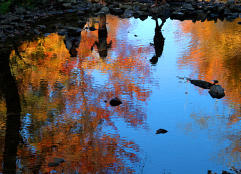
(23, 22)
(175, 9)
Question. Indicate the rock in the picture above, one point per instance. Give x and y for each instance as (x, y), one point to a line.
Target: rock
(36, 31)
(177, 15)
(104, 10)
(56, 162)
(161, 131)
(230, 2)
(115, 102)
(201, 83)
(80, 12)
(67, 5)
(125, 6)
(73, 31)
(216, 91)
(239, 23)
(117, 11)
(20, 10)
(92, 28)
(128, 13)
(188, 6)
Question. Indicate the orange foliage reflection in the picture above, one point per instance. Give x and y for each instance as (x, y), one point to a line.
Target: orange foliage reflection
(215, 54)
(64, 108)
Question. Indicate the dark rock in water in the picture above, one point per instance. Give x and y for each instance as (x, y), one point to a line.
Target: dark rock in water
(56, 162)
(161, 131)
(216, 91)
(92, 28)
(115, 102)
(202, 84)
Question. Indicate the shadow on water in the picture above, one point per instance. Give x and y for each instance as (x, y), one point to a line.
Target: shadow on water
(9, 91)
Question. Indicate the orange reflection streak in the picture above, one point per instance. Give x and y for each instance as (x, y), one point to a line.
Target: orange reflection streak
(66, 109)
(215, 54)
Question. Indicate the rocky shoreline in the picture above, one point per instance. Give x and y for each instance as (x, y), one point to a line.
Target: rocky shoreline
(29, 24)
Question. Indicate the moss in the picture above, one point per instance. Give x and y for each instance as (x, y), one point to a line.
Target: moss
(4, 6)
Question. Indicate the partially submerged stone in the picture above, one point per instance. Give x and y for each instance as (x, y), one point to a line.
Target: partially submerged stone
(161, 131)
(115, 102)
(216, 91)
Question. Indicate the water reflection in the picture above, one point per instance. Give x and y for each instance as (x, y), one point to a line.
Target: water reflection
(102, 44)
(67, 127)
(158, 41)
(9, 91)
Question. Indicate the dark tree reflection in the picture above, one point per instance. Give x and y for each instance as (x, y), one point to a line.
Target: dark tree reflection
(158, 41)
(102, 44)
(9, 91)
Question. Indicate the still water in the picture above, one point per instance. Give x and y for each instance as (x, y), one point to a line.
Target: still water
(68, 125)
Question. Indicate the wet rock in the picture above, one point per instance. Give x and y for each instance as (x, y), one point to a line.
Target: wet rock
(128, 13)
(117, 11)
(216, 91)
(161, 131)
(178, 15)
(125, 6)
(73, 31)
(188, 6)
(36, 31)
(104, 10)
(201, 15)
(115, 102)
(67, 5)
(80, 12)
(20, 10)
(201, 83)
(56, 162)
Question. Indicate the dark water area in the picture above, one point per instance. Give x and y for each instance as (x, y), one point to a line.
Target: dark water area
(55, 111)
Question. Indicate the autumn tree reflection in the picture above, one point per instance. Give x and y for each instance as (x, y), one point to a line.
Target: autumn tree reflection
(65, 115)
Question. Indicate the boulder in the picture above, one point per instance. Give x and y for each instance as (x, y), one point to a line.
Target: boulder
(161, 131)
(128, 13)
(216, 91)
(104, 10)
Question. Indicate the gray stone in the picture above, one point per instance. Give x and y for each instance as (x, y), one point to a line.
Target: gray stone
(67, 5)
(117, 11)
(216, 91)
(128, 13)
(125, 6)
(105, 10)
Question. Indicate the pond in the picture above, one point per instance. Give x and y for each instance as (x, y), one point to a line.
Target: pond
(65, 84)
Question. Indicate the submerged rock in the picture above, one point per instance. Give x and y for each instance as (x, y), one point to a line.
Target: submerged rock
(56, 162)
(115, 102)
(216, 91)
(161, 131)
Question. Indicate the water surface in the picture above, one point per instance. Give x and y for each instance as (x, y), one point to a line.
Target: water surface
(65, 88)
